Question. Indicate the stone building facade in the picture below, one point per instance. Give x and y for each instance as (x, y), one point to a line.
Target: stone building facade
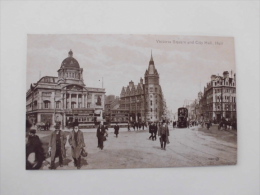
(219, 98)
(64, 98)
(144, 100)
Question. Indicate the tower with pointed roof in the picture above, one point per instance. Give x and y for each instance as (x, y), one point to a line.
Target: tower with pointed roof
(153, 93)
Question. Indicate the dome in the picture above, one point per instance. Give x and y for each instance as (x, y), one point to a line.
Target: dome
(70, 62)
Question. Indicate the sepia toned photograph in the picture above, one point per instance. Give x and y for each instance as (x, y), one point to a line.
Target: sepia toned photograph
(99, 101)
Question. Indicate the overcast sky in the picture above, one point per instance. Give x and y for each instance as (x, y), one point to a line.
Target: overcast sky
(185, 63)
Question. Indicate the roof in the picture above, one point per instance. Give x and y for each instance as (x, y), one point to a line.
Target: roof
(70, 62)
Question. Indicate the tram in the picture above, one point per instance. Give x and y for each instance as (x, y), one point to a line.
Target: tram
(182, 117)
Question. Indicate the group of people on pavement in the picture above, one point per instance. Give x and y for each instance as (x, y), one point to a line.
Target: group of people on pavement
(136, 125)
(57, 144)
(153, 128)
(163, 133)
(35, 155)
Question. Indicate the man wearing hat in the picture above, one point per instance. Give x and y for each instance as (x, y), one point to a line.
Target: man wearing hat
(100, 135)
(116, 127)
(34, 151)
(76, 141)
(57, 146)
(163, 133)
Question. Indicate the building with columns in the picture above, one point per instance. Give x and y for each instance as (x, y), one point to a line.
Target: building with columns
(219, 98)
(144, 101)
(64, 98)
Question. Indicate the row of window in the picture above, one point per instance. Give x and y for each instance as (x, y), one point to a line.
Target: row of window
(47, 105)
(71, 75)
(224, 83)
(225, 90)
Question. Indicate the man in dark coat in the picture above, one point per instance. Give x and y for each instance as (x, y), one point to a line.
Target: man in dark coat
(57, 146)
(155, 128)
(116, 127)
(128, 126)
(151, 130)
(100, 135)
(134, 126)
(34, 151)
(76, 141)
(163, 133)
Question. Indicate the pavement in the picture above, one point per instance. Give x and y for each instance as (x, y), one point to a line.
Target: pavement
(195, 146)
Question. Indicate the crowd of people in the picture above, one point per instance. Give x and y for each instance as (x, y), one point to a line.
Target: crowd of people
(35, 155)
(141, 125)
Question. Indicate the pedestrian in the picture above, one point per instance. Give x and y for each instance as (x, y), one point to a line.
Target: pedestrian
(100, 135)
(34, 150)
(151, 128)
(116, 127)
(155, 129)
(163, 133)
(76, 141)
(128, 126)
(134, 126)
(57, 146)
(140, 125)
(143, 125)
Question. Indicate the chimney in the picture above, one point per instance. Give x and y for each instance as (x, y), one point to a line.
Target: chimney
(141, 80)
(131, 84)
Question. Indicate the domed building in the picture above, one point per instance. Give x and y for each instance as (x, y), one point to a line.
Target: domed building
(65, 98)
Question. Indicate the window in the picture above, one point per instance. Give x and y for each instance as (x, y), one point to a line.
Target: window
(151, 110)
(47, 104)
(73, 104)
(58, 104)
(151, 102)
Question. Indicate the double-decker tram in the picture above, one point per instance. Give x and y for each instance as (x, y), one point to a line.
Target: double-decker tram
(182, 117)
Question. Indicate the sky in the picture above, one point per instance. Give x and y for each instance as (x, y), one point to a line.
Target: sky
(184, 63)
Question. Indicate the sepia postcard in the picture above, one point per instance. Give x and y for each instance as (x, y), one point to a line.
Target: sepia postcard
(97, 101)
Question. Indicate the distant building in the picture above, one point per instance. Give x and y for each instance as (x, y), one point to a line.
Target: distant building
(144, 101)
(64, 98)
(113, 113)
(219, 98)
